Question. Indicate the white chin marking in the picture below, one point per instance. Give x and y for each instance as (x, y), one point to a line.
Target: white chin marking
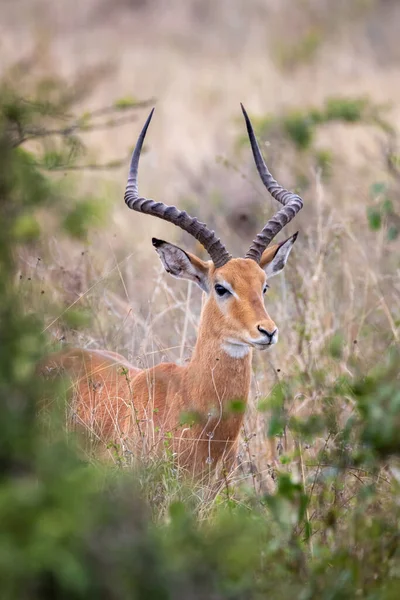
(235, 350)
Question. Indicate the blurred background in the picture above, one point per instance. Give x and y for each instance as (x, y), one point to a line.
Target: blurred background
(321, 82)
(318, 468)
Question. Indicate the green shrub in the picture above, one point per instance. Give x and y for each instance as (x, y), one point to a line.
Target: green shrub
(74, 529)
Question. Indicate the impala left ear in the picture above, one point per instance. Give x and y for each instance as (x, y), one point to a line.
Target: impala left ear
(273, 259)
(182, 264)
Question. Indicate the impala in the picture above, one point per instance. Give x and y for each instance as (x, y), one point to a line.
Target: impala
(119, 402)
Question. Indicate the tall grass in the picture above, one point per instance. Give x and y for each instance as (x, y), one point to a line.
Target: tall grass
(311, 507)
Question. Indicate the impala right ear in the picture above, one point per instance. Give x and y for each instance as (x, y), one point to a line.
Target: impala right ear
(274, 258)
(181, 264)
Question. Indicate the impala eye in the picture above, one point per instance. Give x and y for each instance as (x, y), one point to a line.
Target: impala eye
(220, 290)
(266, 288)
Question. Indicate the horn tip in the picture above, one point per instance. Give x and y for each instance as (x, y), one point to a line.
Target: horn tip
(149, 118)
(156, 242)
(294, 236)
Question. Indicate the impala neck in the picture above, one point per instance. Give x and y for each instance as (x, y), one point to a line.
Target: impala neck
(214, 376)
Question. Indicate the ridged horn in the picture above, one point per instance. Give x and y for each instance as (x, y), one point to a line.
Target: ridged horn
(292, 203)
(217, 251)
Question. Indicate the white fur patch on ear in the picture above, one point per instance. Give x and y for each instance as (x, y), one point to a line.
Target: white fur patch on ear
(178, 263)
(277, 264)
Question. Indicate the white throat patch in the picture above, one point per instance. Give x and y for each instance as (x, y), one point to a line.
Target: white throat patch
(235, 350)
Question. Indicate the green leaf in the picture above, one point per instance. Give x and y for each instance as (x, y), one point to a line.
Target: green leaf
(77, 318)
(345, 109)
(189, 417)
(237, 406)
(177, 511)
(377, 189)
(126, 102)
(53, 160)
(26, 228)
(300, 128)
(387, 206)
(392, 233)
(374, 219)
(335, 345)
(276, 425)
(82, 216)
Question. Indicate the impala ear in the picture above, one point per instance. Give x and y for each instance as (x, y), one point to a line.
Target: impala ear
(273, 259)
(181, 264)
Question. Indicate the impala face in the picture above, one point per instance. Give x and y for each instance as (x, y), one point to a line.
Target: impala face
(236, 293)
(238, 290)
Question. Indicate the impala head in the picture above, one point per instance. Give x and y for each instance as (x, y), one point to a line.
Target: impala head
(235, 286)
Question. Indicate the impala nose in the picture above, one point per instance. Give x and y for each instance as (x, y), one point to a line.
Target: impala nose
(271, 335)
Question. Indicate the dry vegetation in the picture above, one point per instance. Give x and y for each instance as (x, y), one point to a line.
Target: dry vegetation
(198, 61)
(337, 304)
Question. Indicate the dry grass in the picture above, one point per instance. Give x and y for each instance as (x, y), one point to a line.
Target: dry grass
(199, 59)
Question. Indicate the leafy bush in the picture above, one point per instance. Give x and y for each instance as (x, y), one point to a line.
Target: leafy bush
(72, 529)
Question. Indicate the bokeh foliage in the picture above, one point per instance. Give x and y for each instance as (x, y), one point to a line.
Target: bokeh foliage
(299, 128)
(73, 529)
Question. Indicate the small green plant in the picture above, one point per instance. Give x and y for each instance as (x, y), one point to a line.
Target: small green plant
(381, 213)
(299, 128)
(72, 528)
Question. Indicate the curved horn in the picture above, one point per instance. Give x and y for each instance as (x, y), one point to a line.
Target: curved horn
(292, 203)
(200, 231)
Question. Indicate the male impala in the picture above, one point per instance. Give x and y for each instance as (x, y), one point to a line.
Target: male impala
(121, 403)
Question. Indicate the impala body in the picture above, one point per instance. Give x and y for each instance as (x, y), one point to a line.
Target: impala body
(189, 407)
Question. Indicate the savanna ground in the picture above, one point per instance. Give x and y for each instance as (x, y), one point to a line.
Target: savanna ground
(312, 510)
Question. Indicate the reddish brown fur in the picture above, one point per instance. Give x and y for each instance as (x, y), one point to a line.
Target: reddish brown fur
(100, 387)
(116, 401)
